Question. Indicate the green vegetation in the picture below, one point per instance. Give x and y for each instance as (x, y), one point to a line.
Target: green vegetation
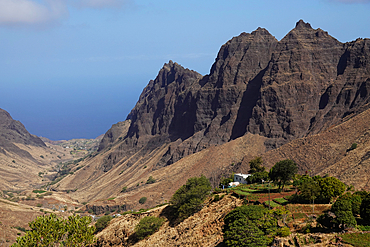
(323, 190)
(147, 226)
(282, 172)
(50, 230)
(189, 198)
(250, 225)
(124, 189)
(102, 223)
(353, 147)
(150, 180)
(39, 191)
(365, 208)
(142, 200)
(281, 200)
(357, 239)
(226, 181)
(272, 204)
(20, 228)
(342, 208)
(258, 172)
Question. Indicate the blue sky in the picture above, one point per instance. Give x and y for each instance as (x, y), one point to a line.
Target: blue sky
(72, 68)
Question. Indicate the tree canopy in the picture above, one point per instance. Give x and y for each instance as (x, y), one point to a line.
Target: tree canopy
(255, 165)
(282, 172)
(331, 188)
(365, 208)
(250, 225)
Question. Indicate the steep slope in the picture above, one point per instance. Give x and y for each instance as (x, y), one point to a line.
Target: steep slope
(25, 161)
(329, 152)
(12, 131)
(204, 228)
(260, 94)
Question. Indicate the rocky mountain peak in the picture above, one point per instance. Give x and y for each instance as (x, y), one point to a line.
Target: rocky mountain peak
(261, 31)
(281, 90)
(302, 25)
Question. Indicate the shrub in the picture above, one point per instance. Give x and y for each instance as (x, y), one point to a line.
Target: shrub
(283, 232)
(142, 200)
(50, 230)
(150, 180)
(102, 223)
(189, 198)
(124, 189)
(39, 205)
(216, 198)
(147, 226)
(353, 146)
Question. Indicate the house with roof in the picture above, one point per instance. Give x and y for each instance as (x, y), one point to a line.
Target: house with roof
(241, 178)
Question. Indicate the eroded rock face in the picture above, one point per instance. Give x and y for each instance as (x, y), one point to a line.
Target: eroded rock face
(282, 90)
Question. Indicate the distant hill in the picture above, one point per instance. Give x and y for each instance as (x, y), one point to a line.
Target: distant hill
(262, 97)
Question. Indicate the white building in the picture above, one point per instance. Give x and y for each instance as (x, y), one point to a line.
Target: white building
(241, 178)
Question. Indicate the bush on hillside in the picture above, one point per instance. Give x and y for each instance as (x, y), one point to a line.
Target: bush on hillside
(147, 226)
(102, 223)
(142, 200)
(50, 230)
(189, 198)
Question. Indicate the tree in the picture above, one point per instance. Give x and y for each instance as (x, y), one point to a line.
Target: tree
(309, 190)
(255, 165)
(249, 225)
(342, 209)
(355, 200)
(147, 226)
(282, 172)
(258, 177)
(330, 188)
(56, 231)
(365, 208)
(189, 198)
(226, 181)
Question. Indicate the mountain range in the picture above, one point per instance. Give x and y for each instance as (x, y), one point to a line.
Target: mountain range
(305, 97)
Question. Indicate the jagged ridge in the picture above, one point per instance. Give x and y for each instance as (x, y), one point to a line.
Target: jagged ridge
(282, 90)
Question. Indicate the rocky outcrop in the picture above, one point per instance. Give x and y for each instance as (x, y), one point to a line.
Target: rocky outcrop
(102, 209)
(282, 90)
(12, 131)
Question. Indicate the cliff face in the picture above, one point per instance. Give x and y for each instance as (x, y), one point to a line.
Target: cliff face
(311, 83)
(281, 90)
